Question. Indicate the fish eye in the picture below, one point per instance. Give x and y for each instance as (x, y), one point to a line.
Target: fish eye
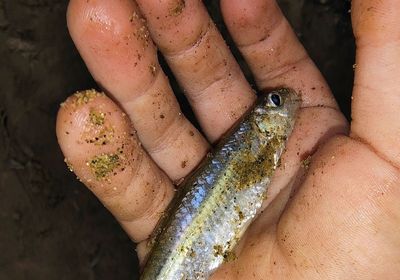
(275, 99)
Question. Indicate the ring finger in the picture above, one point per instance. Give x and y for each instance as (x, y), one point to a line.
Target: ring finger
(114, 42)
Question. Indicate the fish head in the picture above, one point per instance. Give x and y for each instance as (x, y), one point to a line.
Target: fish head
(276, 112)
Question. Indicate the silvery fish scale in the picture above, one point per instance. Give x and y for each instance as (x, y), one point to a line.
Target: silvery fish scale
(216, 203)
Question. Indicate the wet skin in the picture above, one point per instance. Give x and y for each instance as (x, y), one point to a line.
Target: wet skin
(331, 213)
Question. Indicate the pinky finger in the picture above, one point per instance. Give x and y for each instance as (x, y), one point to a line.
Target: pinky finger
(101, 147)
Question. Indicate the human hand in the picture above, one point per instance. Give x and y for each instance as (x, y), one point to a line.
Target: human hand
(336, 219)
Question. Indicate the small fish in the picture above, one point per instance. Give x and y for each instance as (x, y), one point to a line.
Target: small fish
(218, 201)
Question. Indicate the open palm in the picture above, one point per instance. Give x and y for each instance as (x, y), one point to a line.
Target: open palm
(332, 210)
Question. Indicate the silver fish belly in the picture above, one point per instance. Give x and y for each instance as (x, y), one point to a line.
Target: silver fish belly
(216, 203)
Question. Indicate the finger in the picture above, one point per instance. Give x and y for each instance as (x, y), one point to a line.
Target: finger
(201, 61)
(102, 149)
(376, 97)
(277, 59)
(272, 50)
(114, 42)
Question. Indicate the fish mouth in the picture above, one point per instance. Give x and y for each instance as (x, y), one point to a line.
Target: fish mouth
(294, 105)
(293, 102)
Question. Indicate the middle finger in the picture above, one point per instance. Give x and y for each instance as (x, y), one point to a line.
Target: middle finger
(201, 61)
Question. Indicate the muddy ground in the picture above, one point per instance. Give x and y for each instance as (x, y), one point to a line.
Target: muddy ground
(51, 227)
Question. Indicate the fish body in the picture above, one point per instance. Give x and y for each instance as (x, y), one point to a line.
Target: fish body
(217, 202)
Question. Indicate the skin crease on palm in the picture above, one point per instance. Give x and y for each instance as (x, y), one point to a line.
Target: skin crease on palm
(337, 219)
